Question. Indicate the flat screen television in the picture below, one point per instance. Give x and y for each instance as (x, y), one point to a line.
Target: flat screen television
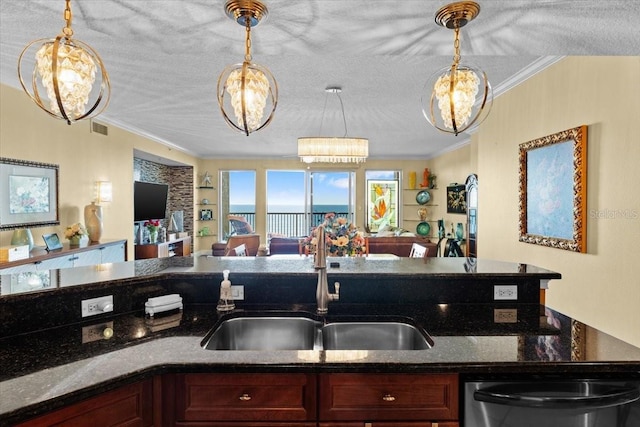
(149, 200)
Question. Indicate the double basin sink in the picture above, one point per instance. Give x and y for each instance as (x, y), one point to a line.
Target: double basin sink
(302, 333)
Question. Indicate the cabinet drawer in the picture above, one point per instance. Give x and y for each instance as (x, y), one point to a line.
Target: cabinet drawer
(245, 397)
(370, 397)
(129, 406)
(390, 424)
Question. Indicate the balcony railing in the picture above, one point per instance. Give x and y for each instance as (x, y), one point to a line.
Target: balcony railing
(287, 223)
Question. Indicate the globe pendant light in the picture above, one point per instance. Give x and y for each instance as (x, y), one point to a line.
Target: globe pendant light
(458, 97)
(247, 88)
(65, 69)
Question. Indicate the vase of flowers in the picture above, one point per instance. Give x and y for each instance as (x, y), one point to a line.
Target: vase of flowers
(152, 226)
(76, 234)
(343, 238)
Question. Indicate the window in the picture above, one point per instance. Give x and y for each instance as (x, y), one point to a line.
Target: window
(299, 200)
(382, 199)
(237, 195)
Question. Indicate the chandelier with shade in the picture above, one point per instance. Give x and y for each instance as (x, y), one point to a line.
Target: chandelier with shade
(333, 149)
(458, 97)
(65, 73)
(247, 92)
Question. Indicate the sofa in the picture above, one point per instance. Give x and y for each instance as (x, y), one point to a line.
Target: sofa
(284, 245)
(397, 245)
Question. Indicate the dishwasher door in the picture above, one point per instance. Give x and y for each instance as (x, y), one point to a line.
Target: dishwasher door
(572, 403)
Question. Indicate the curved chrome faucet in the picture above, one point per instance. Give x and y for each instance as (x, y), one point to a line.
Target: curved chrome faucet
(322, 290)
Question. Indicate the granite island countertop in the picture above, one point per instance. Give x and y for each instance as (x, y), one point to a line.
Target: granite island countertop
(46, 369)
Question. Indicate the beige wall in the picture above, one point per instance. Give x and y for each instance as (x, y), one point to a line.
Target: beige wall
(28, 133)
(602, 286)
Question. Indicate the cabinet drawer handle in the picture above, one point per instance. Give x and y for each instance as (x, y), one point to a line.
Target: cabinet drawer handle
(388, 398)
(245, 397)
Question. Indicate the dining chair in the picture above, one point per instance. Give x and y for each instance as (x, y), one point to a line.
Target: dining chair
(240, 250)
(417, 251)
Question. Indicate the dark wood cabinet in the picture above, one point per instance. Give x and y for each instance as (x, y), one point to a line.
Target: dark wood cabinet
(374, 398)
(177, 247)
(266, 399)
(130, 406)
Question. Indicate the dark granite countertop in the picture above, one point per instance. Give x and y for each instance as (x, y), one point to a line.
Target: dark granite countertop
(51, 356)
(45, 369)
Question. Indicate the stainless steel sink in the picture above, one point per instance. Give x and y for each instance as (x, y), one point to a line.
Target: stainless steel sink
(373, 336)
(265, 333)
(301, 333)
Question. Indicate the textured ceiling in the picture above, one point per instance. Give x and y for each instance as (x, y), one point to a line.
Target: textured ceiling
(164, 58)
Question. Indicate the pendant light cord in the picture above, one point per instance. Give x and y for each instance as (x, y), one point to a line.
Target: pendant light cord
(324, 109)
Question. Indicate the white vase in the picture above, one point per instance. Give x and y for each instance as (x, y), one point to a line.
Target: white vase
(93, 221)
(22, 237)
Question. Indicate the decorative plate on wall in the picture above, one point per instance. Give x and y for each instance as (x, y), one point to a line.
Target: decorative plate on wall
(423, 197)
(423, 229)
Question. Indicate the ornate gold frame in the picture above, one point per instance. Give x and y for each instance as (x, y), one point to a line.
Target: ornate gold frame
(578, 242)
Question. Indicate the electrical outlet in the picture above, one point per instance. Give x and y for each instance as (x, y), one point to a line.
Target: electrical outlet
(505, 315)
(237, 292)
(505, 292)
(93, 306)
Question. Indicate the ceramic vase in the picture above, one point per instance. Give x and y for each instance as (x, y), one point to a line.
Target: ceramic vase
(93, 221)
(22, 237)
(459, 231)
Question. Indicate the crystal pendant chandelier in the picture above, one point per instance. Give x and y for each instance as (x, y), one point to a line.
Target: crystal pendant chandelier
(247, 89)
(65, 69)
(458, 97)
(332, 149)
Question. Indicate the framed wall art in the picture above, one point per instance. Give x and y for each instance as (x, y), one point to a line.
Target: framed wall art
(553, 190)
(457, 199)
(382, 204)
(28, 194)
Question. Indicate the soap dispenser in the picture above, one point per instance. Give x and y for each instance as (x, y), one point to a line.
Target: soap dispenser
(225, 303)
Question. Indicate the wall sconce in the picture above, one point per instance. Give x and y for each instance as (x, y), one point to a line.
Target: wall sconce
(104, 191)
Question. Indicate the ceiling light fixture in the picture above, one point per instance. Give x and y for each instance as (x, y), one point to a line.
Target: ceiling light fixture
(462, 92)
(65, 69)
(332, 149)
(249, 86)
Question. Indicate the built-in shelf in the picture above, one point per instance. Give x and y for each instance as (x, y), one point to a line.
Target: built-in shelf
(206, 188)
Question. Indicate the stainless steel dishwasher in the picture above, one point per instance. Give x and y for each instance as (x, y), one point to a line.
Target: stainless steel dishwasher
(552, 403)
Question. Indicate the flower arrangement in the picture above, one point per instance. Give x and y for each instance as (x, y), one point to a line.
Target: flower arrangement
(75, 232)
(343, 239)
(152, 225)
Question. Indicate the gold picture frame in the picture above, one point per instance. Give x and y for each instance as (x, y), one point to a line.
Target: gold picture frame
(553, 190)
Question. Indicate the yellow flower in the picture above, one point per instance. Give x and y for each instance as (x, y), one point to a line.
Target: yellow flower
(341, 241)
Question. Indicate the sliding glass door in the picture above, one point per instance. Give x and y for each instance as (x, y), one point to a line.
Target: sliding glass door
(299, 200)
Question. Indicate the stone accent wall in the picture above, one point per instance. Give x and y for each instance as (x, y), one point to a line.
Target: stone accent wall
(181, 187)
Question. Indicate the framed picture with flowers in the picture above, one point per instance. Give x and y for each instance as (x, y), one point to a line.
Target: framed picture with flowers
(28, 194)
(382, 204)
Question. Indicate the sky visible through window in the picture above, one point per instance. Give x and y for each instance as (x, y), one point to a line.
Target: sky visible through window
(286, 189)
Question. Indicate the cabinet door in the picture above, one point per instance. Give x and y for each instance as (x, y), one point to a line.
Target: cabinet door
(392, 424)
(54, 263)
(130, 406)
(386, 397)
(112, 253)
(82, 259)
(245, 397)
